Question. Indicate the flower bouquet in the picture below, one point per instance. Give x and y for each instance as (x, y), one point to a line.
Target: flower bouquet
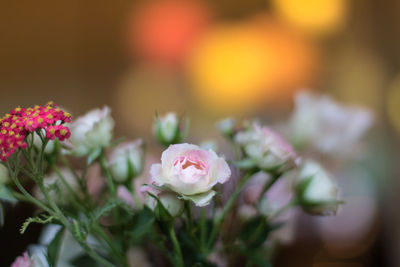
(103, 206)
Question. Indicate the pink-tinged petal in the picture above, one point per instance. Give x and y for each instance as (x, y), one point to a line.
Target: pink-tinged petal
(124, 194)
(220, 172)
(174, 151)
(155, 173)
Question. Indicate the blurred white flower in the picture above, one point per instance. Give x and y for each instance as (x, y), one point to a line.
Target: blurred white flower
(266, 149)
(4, 175)
(277, 197)
(325, 125)
(27, 261)
(126, 161)
(59, 191)
(91, 132)
(191, 172)
(317, 192)
(226, 126)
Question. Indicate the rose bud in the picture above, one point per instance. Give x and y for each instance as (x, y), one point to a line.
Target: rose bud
(316, 191)
(266, 149)
(91, 132)
(126, 161)
(227, 127)
(191, 172)
(169, 129)
(169, 200)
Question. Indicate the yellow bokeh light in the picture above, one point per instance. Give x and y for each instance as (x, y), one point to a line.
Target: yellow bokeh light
(314, 16)
(228, 67)
(393, 103)
(240, 68)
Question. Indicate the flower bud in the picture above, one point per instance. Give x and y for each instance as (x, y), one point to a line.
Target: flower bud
(316, 191)
(265, 149)
(169, 200)
(91, 132)
(226, 127)
(126, 161)
(169, 130)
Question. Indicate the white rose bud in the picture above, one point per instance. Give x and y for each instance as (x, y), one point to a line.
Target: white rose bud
(191, 172)
(126, 161)
(91, 132)
(169, 200)
(167, 129)
(226, 127)
(266, 149)
(317, 192)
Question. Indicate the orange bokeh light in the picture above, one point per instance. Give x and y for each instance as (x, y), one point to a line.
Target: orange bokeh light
(164, 31)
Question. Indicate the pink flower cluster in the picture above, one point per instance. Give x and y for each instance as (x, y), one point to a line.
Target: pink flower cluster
(23, 261)
(17, 124)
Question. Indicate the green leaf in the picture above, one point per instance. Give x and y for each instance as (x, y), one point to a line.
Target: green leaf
(141, 224)
(255, 232)
(42, 219)
(102, 211)
(245, 164)
(94, 155)
(54, 248)
(201, 199)
(84, 261)
(6, 195)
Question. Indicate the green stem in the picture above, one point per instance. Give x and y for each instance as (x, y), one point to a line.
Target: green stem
(269, 185)
(189, 224)
(80, 180)
(107, 173)
(220, 219)
(177, 248)
(203, 228)
(68, 225)
(26, 193)
(107, 239)
(110, 181)
(131, 188)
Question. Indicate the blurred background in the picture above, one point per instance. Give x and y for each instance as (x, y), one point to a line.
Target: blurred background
(210, 59)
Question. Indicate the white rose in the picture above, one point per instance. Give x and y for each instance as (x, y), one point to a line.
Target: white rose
(265, 148)
(317, 192)
(327, 126)
(126, 160)
(91, 132)
(191, 172)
